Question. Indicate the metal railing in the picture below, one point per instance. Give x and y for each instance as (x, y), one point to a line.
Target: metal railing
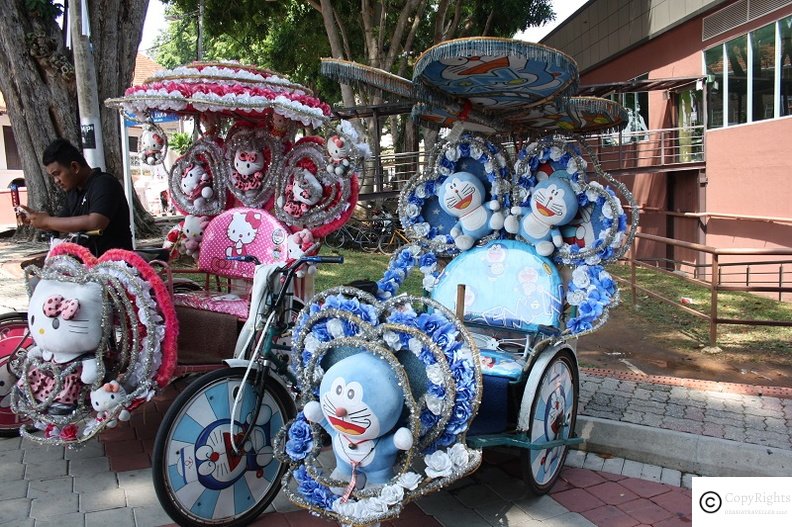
(716, 284)
(666, 149)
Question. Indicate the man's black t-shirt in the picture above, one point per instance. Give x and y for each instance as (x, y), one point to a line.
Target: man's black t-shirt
(104, 195)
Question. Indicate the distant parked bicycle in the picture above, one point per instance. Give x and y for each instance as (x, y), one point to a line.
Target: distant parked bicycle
(355, 234)
(391, 236)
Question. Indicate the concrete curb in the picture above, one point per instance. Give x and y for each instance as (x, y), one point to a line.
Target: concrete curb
(703, 455)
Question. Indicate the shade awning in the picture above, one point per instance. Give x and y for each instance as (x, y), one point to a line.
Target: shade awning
(610, 88)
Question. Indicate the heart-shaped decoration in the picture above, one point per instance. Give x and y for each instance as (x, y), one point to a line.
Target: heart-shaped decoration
(255, 156)
(198, 179)
(123, 328)
(353, 355)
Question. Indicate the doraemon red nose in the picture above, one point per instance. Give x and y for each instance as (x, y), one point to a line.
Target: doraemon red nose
(340, 412)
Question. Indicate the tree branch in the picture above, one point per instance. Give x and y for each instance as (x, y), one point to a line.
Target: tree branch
(368, 31)
(398, 32)
(408, 44)
(488, 24)
(442, 9)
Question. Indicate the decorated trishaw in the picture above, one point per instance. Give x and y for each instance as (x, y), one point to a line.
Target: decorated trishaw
(378, 399)
(259, 188)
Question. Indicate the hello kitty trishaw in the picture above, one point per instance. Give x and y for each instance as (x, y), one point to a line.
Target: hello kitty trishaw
(411, 389)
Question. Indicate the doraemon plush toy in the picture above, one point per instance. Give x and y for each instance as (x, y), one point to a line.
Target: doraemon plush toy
(462, 196)
(553, 203)
(360, 402)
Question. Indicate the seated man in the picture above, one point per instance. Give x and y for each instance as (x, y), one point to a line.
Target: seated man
(94, 200)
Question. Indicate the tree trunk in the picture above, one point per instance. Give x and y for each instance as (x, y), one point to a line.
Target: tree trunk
(37, 82)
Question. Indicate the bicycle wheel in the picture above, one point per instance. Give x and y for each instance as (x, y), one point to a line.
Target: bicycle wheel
(553, 415)
(14, 337)
(385, 244)
(197, 478)
(335, 240)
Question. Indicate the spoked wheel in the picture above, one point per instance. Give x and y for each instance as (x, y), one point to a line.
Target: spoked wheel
(14, 337)
(553, 415)
(335, 240)
(198, 478)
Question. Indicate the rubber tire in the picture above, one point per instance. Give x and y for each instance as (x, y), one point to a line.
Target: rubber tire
(9, 321)
(335, 240)
(164, 491)
(567, 359)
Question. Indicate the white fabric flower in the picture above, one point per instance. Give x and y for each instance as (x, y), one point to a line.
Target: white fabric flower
(335, 327)
(440, 238)
(444, 171)
(572, 166)
(373, 506)
(438, 465)
(435, 374)
(421, 229)
(392, 494)
(501, 159)
(459, 455)
(556, 153)
(594, 259)
(464, 353)
(429, 282)
(415, 345)
(420, 191)
(576, 297)
(434, 404)
(488, 166)
(392, 340)
(580, 277)
(415, 250)
(311, 343)
(607, 210)
(452, 154)
(476, 152)
(409, 480)
(412, 210)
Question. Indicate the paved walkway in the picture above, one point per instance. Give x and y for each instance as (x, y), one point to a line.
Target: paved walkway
(108, 482)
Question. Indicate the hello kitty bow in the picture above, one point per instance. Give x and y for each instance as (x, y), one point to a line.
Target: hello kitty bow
(57, 305)
(247, 156)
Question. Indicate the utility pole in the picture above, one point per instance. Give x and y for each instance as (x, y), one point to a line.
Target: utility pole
(87, 91)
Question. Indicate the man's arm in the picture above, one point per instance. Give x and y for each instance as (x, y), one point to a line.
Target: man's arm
(43, 221)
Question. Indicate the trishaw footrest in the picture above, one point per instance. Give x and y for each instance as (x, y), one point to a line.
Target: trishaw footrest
(519, 441)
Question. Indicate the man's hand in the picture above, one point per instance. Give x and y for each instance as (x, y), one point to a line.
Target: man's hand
(39, 220)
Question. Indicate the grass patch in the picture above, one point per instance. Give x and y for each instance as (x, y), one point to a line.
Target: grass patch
(359, 265)
(731, 304)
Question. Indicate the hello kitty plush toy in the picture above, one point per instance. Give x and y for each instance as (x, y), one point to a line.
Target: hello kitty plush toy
(302, 192)
(152, 145)
(462, 196)
(196, 184)
(339, 149)
(65, 321)
(192, 233)
(106, 399)
(553, 203)
(242, 231)
(360, 403)
(248, 174)
(298, 244)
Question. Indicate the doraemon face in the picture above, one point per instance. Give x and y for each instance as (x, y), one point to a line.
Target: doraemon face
(554, 201)
(65, 318)
(248, 162)
(461, 194)
(346, 410)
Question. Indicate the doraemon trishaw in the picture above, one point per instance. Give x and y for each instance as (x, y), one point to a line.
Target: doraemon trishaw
(512, 252)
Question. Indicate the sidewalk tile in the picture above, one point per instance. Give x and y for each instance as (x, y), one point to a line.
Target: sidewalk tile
(651, 472)
(570, 519)
(96, 482)
(593, 462)
(581, 478)
(113, 517)
(10, 443)
(675, 501)
(609, 516)
(72, 519)
(542, 507)
(502, 513)
(11, 456)
(613, 465)
(612, 493)
(129, 462)
(475, 495)
(45, 487)
(49, 470)
(632, 468)
(275, 519)
(575, 458)
(674, 521)
(14, 509)
(86, 451)
(669, 476)
(39, 454)
(646, 489)
(645, 511)
(53, 505)
(89, 467)
(578, 500)
(17, 488)
(303, 519)
(102, 500)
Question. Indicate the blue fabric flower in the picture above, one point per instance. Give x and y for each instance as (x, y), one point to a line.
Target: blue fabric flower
(579, 325)
(404, 260)
(428, 419)
(429, 322)
(300, 440)
(427, 259)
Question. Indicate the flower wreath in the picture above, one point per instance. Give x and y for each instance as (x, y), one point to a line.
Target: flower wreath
(592, 292)
(256, 189)
(443, 162)
(138, 324)
(338, 194)
(207, 151)
(441, 402)
(400, 265)
(565, 155)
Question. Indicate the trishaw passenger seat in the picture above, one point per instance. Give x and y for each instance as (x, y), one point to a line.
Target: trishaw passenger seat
(509, 289)
(236, 232)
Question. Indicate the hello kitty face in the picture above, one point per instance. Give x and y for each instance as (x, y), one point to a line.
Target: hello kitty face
(244, 227)
(461, 194)
(553, 201)
(152, 141)
(346, 410)
(307, 188)
(248, 162)
(65, 318)
(194, 177)
(338, 148)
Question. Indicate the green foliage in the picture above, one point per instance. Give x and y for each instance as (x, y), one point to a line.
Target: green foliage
(44, 9)
(179, 142)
